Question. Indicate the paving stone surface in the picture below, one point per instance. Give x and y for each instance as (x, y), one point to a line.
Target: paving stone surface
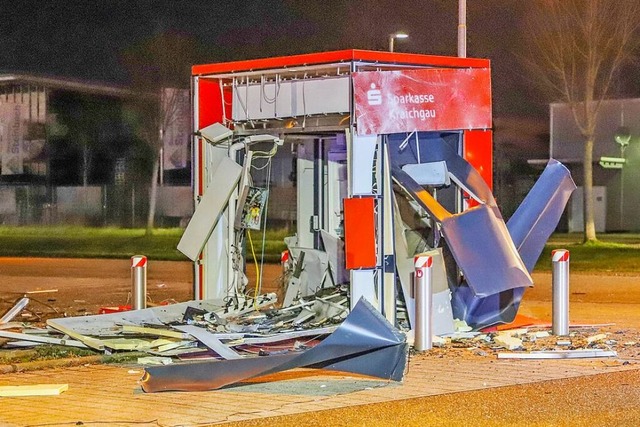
(111, 394)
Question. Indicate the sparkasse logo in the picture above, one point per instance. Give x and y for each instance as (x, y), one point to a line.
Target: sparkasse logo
(374, 96)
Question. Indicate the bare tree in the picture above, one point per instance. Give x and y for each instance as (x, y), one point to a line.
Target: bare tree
(578, 46)
(159, 63)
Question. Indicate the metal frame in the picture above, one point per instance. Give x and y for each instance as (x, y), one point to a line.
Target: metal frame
(315, 66)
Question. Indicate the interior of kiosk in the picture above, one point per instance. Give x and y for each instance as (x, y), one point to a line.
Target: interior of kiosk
(365, 203)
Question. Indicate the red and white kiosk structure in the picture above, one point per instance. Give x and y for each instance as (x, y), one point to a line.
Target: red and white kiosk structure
(347, 116)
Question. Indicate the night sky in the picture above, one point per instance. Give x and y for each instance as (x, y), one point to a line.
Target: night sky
(86, 39)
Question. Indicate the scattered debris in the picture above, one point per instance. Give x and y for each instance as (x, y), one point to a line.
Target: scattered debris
(154, 360)
(596, 338)
(209, 344)
(507, 341)
(365, 343)
(41, 339)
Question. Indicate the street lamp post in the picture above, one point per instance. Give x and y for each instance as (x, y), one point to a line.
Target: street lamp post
(394, 36)
(462, 28)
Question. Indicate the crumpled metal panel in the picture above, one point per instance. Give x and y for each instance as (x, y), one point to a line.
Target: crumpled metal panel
(480, 312)
(481, 245)
(365, 343)
(530, 228)
(478, 239)
(538, 215)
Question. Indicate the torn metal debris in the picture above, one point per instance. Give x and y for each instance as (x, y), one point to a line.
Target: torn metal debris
(14, 311)
(365, 343)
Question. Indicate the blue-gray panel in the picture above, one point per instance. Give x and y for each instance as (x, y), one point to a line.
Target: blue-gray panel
(365, 343)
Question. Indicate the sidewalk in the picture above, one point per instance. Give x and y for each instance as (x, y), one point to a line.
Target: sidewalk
(111, 394)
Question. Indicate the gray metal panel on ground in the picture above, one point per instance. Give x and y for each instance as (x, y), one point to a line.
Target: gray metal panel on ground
(364, 343)
(210, 340)
(104, 325)
(210, 208)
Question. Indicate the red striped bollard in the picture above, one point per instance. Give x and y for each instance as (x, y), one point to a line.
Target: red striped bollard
(560, 285)
(423, 339)
(138, 282)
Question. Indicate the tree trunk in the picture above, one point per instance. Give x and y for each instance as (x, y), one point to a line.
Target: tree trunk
(587, 186)
(85, 160)
(153, 196)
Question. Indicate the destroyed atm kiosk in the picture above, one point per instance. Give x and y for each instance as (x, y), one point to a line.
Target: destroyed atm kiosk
(387, 155)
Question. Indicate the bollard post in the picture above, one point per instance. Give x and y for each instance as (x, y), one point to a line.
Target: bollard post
(138, 282)
(285, 261)
(560, 285)
(424, 325)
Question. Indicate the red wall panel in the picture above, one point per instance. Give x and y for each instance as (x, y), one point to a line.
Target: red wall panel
(359, 233)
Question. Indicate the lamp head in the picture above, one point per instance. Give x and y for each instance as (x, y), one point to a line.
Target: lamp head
(623, 136)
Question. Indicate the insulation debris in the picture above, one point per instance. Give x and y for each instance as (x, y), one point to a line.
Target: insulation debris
(33, 390)
(232, 328)
(596, 338)
(154, 360)
(507, 341)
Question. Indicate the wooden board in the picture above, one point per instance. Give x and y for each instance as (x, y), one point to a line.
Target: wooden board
(33, 390)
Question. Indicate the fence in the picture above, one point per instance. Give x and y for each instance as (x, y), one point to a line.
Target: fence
(107, 205)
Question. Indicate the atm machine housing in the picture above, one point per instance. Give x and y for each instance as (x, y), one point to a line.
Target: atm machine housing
(334, 96)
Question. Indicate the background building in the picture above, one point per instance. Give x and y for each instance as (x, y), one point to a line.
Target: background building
(69, 155)
(616, 154)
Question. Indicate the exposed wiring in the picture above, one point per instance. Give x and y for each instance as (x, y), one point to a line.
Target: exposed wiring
(405, 142)
(255, 262)
(239, 98)
(264, 223)
(276, 91)
(224, 115)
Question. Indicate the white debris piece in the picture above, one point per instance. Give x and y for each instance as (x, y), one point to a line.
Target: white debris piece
(154, 360)
(438, 341)
(461, 326)
(507, 341)
(514, 332)
(483, 337)
(596, 338)
(541, 334)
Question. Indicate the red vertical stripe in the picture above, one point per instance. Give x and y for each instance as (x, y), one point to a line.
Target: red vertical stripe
(359, 233)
